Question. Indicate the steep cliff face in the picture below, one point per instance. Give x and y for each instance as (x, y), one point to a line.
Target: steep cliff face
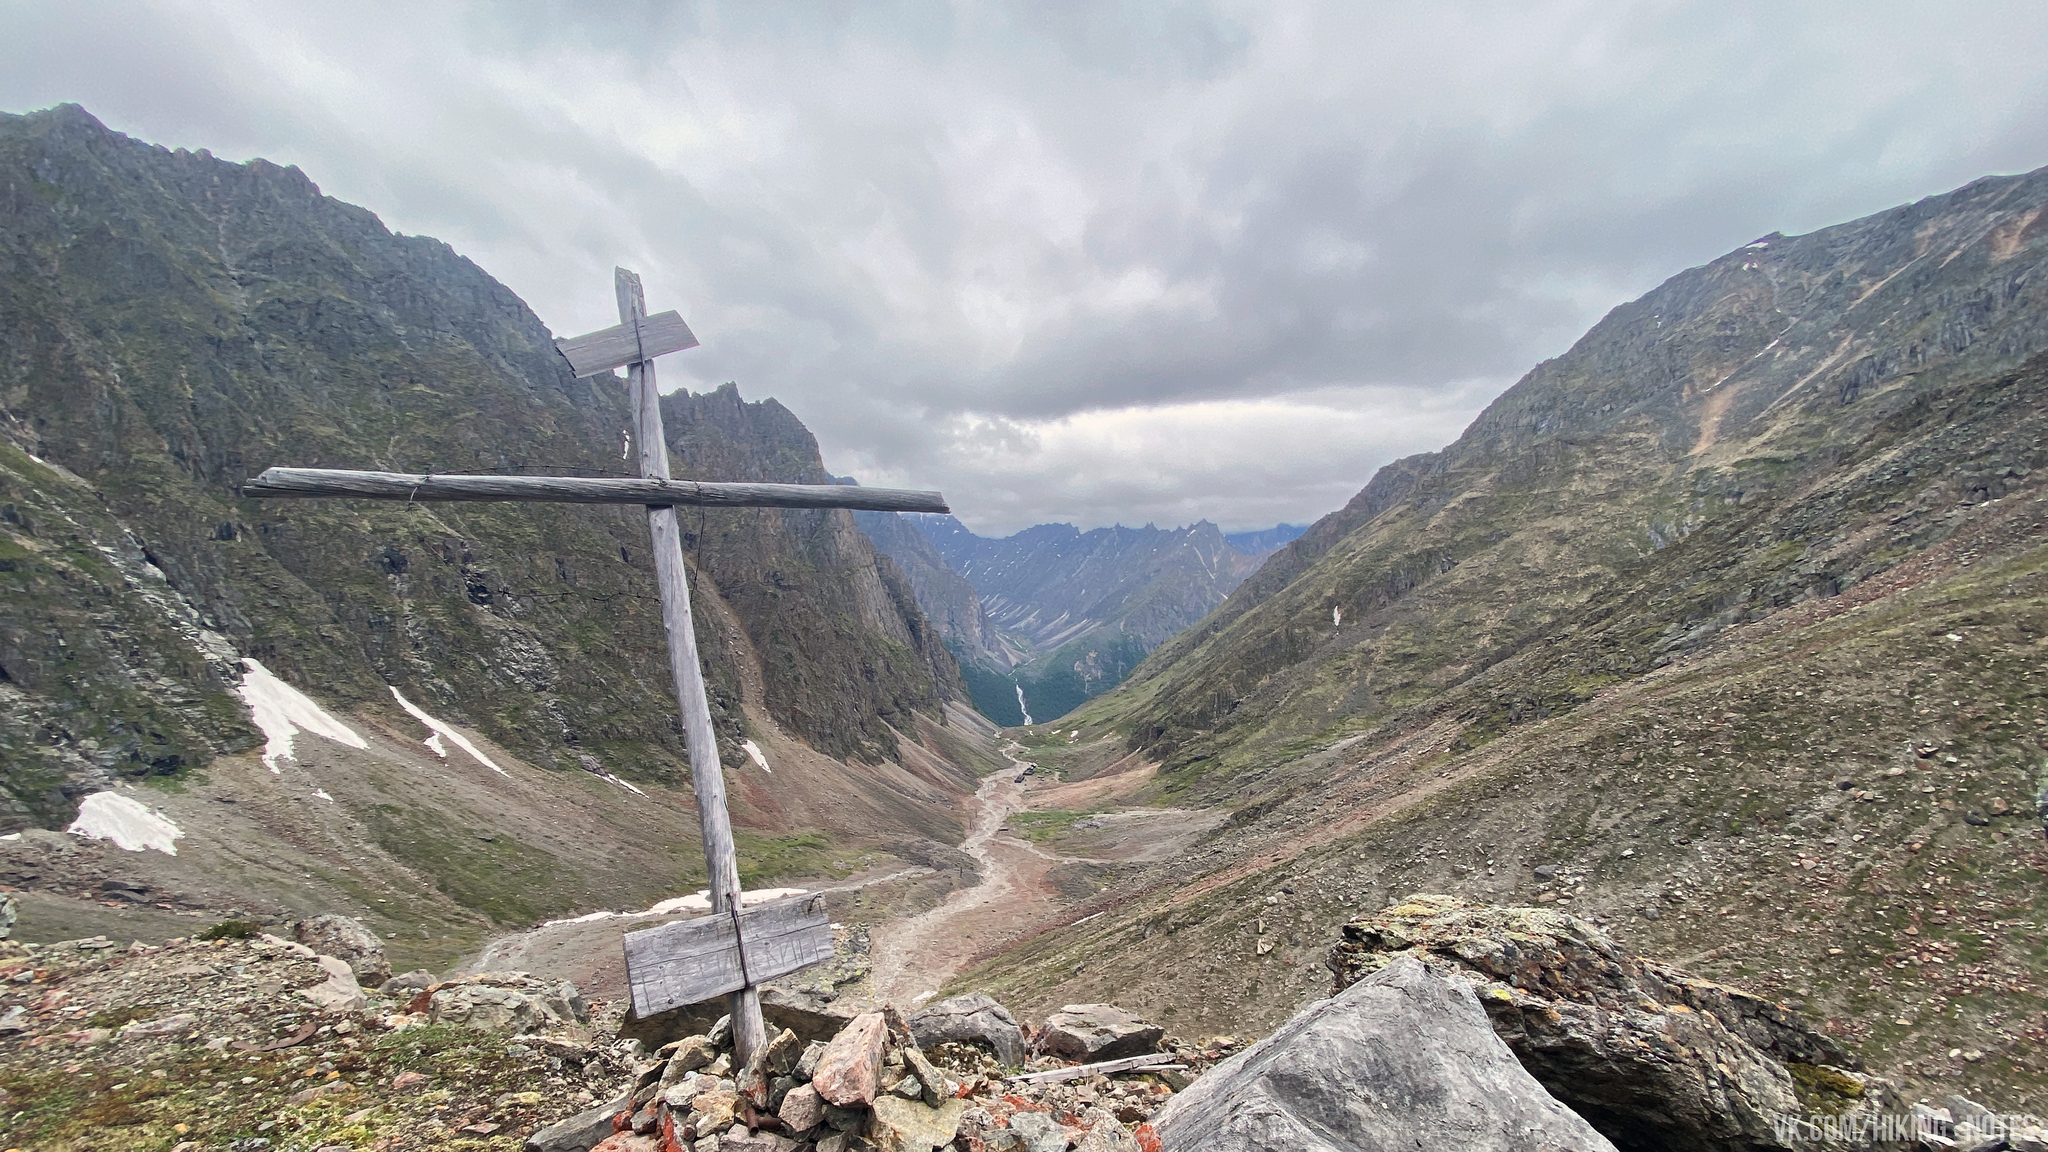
(841, 639)
(171, 324)
(948, 600)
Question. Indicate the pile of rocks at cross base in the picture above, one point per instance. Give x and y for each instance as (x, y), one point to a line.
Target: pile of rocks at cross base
(886, 1084)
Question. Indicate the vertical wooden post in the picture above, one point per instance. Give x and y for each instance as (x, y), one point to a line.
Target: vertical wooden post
(708, 778)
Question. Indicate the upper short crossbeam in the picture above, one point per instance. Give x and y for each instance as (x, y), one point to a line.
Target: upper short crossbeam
(622, 344)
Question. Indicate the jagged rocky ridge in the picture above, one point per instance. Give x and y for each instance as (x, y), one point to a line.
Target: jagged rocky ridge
(175, 323)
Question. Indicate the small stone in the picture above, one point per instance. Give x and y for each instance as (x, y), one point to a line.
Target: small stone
(783, 1053)
(807, 1065)
(803, 1109)
(928, 1078)
(904, 1126)
(713, 1110)
(854, 1120)
(850, 1069)
(404, 1080)
(406, 984)
(909, 1088)
(1106, 1135)
(340, 993)
(1041, 1132)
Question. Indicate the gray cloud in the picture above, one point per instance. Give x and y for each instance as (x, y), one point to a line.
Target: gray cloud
(1084, 261)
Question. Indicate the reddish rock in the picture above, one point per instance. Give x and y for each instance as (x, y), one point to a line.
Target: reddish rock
(627, 1142)
(803, 1109)
(849, 1072)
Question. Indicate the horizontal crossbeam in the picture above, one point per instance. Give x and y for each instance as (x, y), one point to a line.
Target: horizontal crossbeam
(318, 482)
(615, 347)
(691, 961)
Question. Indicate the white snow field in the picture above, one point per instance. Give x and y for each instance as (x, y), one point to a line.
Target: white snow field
(130, 825)
(282, 712)
(441, 731)
(754, 754)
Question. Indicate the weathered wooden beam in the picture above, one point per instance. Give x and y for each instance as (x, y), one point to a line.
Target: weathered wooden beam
(618, 346)
(654, 492)
(691, 961)
(707, 779)
(1156, 1062)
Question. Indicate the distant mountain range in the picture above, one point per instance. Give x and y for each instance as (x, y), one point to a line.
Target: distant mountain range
(1043, 620)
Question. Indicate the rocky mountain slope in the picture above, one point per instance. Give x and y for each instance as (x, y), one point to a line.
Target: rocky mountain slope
(1073, 612)
(1724, 629)
(170, 324)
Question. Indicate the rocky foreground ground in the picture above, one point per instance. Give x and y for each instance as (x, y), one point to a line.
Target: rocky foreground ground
(1450, 1025)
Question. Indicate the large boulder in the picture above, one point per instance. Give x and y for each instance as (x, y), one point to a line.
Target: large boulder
(1656, 1058)
(505, 1002)
(1091, 1032)
(1402, 1059)
(346, 939)
(971, 1019)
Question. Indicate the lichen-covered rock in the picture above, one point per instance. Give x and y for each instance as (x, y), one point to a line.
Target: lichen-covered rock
(1654, 1056)
(346, 939)
(1401, 1059)
(971, 1019)
(498, 1002)
(901, 1125)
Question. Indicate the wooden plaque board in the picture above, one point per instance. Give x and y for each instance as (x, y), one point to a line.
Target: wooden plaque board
(693, 960)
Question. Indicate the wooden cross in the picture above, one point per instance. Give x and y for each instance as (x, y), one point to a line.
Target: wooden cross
(734, 949)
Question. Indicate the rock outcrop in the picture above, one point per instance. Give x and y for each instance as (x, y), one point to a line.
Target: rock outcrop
(347, 940)
(1654, 1057)
(976, 1019)
(1089, 1032)
(503, 1002)
(1401, 1059)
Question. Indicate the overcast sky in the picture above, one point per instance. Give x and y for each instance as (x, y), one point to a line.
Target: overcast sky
(1084, 261)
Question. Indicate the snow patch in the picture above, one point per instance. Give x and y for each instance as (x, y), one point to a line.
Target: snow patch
(442, 730)
(698, 901)
(322, 793)
(130, 825)
(282, 712)
(621, 783)
(1022, 706)
(754, 754)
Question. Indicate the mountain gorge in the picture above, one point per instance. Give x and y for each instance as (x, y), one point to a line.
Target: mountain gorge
(1064, 615)
(170, 324)
(1724, 629)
